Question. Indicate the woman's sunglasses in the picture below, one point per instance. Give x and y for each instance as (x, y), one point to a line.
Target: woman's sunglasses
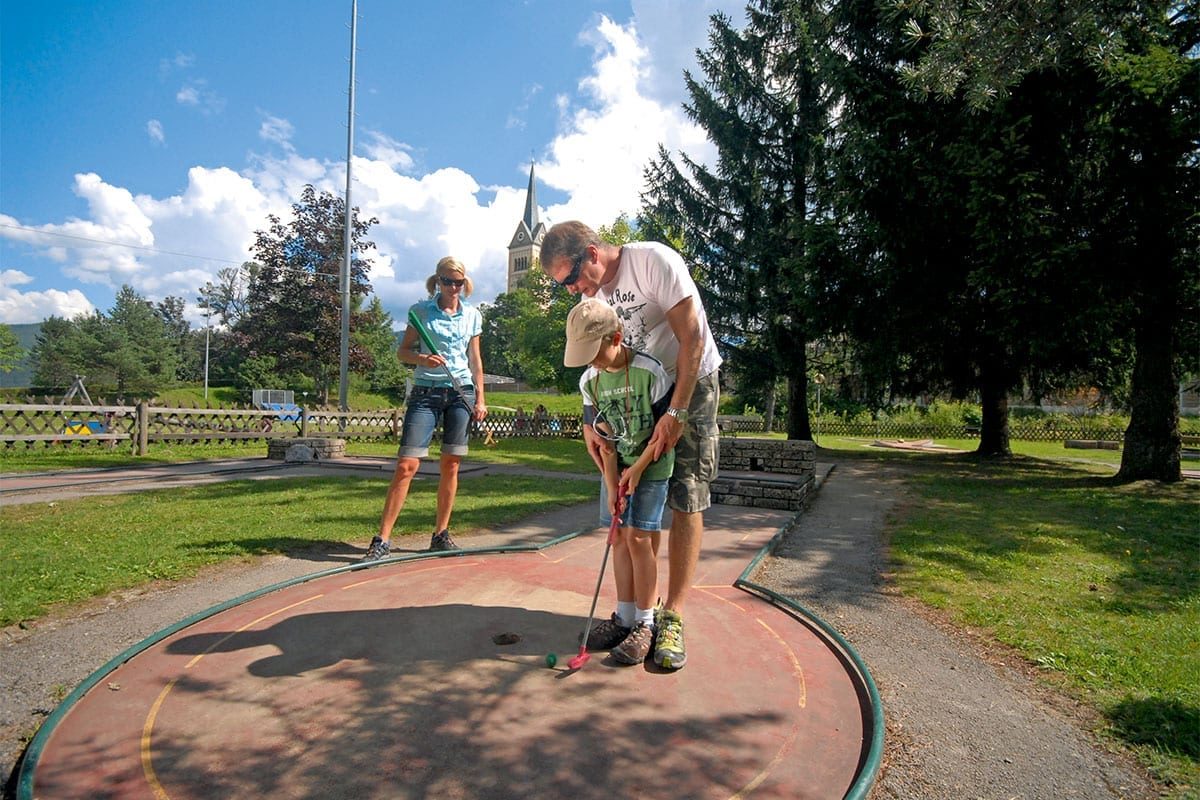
(458, 284)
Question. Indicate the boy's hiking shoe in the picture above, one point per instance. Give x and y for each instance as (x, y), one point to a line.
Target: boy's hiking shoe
(634, 648)
(668, 646)
(442, 541)
(607, 634)
(377, 549)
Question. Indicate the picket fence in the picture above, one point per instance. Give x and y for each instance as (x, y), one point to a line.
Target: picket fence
(34, 424)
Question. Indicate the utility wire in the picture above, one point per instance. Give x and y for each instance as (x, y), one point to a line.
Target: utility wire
(116, 244)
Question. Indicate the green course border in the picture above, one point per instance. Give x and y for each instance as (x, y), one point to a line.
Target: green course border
(873, 757)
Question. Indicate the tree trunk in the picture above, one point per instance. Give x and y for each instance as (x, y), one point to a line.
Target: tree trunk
(1152, 440)
(769, 409)
(798, 426)
(993, 436)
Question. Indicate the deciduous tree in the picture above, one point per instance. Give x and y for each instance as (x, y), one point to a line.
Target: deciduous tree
(293, 304)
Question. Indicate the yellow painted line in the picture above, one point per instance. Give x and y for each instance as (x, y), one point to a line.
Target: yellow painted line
(458, 564)
(148, 727)
(147, 767)
(762, 776)
(589, 545)
(799, 670)
(803, 700)
(224, 639)
(711, 591)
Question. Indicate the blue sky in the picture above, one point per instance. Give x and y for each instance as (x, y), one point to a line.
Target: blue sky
(143, 142)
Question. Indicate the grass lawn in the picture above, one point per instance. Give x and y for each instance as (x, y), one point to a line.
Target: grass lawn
(70, 551)
(1095, 583)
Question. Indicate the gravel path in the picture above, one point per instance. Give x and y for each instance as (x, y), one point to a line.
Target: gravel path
(964, 719)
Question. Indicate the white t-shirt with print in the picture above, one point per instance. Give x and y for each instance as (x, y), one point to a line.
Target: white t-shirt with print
(652, 279)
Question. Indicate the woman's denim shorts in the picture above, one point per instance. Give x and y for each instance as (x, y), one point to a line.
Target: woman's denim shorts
(426, 407)
(643, 511)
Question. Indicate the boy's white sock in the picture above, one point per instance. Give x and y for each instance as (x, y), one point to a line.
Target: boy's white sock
(645, 615)
(627, 612)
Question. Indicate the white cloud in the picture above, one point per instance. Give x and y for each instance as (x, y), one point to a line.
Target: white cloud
(672, 30)
(604, 145)
(516, 118)
(178, 61)
(155, 129)
(195, 94)
(14, 277)
(381, 147)
(277, 130)
(17, 307)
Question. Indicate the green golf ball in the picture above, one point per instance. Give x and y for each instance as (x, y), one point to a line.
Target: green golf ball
(551, 659)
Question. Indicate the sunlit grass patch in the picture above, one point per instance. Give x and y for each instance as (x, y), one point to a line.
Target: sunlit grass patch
(1095, 581)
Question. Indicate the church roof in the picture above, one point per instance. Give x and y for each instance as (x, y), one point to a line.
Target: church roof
(531, 208)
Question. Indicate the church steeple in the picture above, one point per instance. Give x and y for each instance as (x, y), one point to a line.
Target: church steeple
(531, 208)
(526, 242)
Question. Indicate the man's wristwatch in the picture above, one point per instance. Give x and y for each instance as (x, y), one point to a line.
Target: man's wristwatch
(680, 414)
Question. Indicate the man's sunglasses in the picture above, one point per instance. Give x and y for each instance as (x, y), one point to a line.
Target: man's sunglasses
(576, 268)
(451, 281)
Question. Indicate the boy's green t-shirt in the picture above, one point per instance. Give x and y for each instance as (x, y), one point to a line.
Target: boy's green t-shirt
(647, 387)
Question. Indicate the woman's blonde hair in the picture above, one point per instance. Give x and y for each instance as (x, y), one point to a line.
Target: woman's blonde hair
(451, 267)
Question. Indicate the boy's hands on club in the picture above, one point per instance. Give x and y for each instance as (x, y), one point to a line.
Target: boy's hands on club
(630, 479)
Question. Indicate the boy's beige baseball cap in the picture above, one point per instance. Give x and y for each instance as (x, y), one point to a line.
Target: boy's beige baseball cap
(588, 325)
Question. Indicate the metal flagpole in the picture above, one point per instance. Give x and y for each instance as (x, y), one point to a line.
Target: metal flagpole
(344, 365)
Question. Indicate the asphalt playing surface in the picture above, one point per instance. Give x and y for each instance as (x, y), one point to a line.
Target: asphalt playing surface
(384, 680)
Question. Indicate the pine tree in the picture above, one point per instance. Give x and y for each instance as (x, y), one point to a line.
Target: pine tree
(758, 225)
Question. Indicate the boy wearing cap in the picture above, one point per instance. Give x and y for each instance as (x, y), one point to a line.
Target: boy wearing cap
(624, 394)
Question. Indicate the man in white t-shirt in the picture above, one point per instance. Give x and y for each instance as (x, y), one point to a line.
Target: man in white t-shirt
(659, 305)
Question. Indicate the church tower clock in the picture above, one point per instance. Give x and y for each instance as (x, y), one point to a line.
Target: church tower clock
(526, 242)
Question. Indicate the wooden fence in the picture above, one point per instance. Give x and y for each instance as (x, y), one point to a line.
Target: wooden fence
(32, 424)
(1016, 431)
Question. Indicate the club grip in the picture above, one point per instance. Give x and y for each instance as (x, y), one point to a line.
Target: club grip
(415, 321)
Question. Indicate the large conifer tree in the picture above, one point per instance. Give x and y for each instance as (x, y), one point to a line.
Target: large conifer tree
(758, 225)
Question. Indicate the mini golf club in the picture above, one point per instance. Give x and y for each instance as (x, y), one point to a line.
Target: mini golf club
(578, 661)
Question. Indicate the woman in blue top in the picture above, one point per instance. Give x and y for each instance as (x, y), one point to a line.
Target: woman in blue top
(454, 326)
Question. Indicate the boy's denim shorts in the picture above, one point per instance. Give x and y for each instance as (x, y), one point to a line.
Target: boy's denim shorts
(426, 407)
(643, 511)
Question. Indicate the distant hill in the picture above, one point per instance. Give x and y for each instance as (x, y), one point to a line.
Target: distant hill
(22, 376)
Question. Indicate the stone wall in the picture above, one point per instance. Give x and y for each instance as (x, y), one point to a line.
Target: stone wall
(314, 448)
(782, 456)
(765, 473)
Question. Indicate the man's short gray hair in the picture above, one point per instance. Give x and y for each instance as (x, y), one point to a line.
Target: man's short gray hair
(568, 239)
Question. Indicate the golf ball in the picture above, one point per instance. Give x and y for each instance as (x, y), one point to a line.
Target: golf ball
(551, 660)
